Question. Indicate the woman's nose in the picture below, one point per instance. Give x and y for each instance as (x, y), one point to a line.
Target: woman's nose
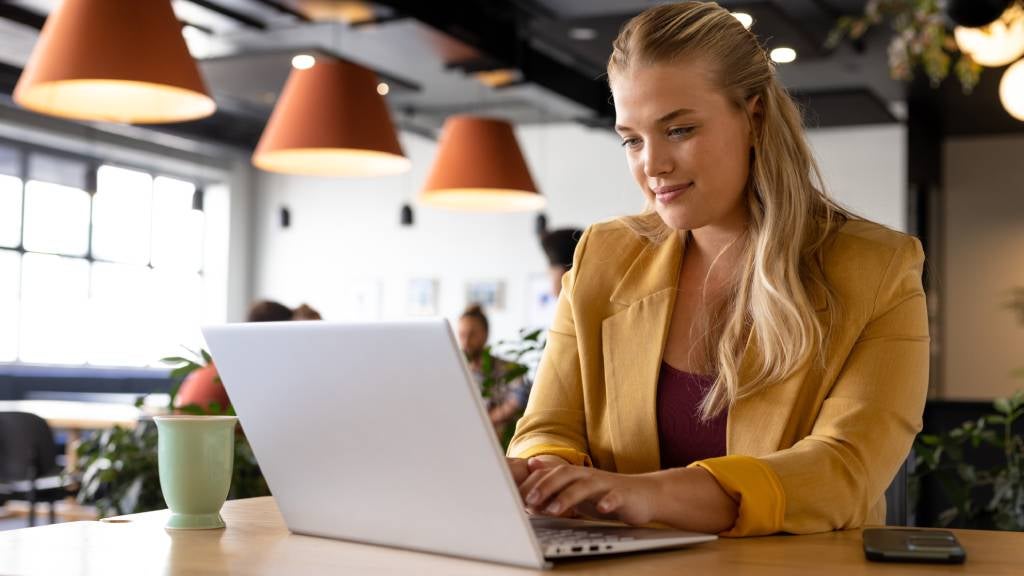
(657, 160)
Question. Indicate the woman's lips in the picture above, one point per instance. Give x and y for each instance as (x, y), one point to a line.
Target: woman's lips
(666, 194)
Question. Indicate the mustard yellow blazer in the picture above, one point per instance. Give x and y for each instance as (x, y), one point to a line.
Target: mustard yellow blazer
(812, 453)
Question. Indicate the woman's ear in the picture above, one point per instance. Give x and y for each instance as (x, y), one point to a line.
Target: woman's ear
(755, 112)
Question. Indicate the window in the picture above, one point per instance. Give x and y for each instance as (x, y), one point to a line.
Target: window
(111, 278)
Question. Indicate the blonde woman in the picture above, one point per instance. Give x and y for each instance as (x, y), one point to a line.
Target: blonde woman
(746, 357)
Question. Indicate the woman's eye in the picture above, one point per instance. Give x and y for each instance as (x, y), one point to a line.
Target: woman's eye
(680, 132)
(630, 142)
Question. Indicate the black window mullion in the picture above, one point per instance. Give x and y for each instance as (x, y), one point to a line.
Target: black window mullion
(91, 180)
(23, 168)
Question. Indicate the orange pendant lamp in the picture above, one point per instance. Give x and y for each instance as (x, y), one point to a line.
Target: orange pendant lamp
(479, 167)
(331, 121)
(114, 61)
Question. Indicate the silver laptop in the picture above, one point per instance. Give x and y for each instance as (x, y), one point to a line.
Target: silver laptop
(376, 433)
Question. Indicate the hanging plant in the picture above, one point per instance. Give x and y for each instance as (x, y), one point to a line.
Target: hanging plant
(922, 39)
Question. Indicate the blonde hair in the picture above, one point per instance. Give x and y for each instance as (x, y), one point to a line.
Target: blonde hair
(791, 218)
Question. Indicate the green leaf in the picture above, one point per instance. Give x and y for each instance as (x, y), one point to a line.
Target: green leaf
(206, 356)
(181, 372)
(533, 335)
(193, 409)
(515, 371)
(1002, 405)
(947, 516)
(175, 360)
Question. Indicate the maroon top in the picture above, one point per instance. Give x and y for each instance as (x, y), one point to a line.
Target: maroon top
(682, 437)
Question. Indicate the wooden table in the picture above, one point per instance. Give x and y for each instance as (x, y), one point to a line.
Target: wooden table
(76, 417)
(257, 542)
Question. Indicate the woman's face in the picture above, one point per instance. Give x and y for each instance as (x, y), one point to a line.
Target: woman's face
(687, 145)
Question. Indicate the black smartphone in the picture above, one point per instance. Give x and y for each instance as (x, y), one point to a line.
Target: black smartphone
(912, 545)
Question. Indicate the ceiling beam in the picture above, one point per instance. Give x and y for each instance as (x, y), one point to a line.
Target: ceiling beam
(496, 28)
(243, 19)
(21, 15)
(284, 9)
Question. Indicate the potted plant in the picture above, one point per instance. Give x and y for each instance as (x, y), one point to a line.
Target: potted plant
(991, 497)
(120, 474)
(521, 357)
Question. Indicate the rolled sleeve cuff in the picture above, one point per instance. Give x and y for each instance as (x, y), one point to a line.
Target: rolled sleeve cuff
(757, 490)
(571, 455)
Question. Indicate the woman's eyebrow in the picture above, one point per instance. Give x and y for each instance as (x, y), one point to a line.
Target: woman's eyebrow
(662, 120)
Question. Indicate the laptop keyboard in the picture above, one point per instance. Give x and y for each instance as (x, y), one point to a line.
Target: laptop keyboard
(569, 540)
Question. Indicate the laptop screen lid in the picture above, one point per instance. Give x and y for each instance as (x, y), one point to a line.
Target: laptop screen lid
(374, 433)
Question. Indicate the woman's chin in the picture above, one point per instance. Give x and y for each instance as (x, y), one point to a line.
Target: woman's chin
(675, 218)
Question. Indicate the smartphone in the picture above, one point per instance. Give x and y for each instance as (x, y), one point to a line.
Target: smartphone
(911, 545)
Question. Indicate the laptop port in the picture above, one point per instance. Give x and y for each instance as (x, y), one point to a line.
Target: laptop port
(577, 548)
(595, 548)
(607, 546)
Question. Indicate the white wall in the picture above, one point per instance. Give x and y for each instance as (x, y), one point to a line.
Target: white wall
(984, 190)
(345, 237)
(865, 169)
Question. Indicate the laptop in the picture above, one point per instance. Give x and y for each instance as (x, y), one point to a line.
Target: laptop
(376, 433)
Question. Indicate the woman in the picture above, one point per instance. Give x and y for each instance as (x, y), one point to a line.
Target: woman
(746, 357)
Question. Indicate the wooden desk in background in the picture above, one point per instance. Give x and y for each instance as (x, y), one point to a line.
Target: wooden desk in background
(76, 417)
(256, 541)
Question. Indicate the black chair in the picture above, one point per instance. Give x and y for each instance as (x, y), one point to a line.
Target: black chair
(896, 497)
(28, 463)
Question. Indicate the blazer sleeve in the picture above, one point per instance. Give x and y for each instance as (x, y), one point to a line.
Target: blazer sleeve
(830, 479)
(554, 421)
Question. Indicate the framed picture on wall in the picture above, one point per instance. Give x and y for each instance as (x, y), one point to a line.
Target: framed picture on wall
(421, 299)
(488, 293)
(540, 302)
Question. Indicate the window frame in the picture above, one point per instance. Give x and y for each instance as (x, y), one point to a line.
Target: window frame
(93, 164)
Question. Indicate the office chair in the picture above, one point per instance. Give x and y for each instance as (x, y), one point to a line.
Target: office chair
(28, 462)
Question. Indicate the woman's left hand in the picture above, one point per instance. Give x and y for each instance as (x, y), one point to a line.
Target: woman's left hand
(629, 498)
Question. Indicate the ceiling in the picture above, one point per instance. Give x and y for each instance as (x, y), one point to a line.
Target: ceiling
(428, 51)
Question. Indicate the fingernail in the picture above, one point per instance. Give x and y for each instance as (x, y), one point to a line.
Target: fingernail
(532, 497)
(553, 508)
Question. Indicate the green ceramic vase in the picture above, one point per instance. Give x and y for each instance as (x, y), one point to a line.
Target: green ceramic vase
(196, 454)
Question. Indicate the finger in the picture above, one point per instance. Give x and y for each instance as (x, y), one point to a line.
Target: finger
(554, 482)
(518, 467)
(585, 489)
(610, 502)
(531, 482)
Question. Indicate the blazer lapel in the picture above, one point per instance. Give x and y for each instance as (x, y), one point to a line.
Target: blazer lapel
(633, 341)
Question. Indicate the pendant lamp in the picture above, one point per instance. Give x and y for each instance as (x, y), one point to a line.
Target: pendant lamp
(974, 13)
(997, 43)
(330, 121)
(1011, 90)
(114, 61)
(479, 167)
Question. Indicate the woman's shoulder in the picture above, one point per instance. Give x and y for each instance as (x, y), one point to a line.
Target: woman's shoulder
(864, 255)
(864, 241)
